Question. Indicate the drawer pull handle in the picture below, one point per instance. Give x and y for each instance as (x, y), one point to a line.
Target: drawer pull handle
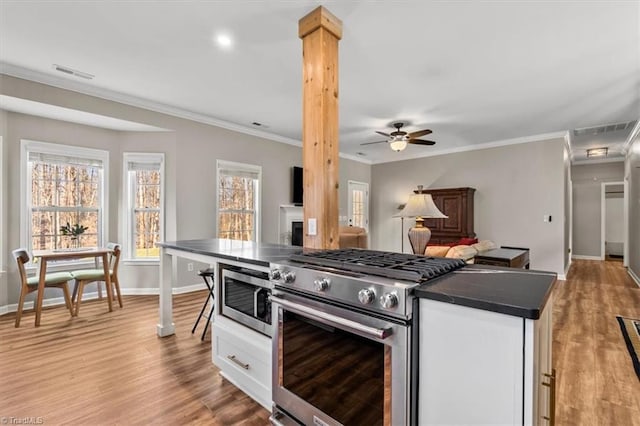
(235, 360)
(552, 397)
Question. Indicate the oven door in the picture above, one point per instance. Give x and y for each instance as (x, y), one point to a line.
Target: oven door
(335, 366)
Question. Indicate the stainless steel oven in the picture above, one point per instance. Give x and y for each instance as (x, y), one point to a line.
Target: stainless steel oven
(337, 365)
(245, 298)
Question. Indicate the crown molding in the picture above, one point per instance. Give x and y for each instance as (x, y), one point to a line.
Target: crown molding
(110, 95)
(495, 144)
(633, 135)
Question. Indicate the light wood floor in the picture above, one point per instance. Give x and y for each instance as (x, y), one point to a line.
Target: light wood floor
(596, 381)
(110, 368)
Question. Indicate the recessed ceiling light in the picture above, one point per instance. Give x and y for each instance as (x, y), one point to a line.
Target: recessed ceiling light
(224, 41)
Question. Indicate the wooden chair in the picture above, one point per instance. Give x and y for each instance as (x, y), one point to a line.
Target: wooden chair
(30, 284)
(85, 276)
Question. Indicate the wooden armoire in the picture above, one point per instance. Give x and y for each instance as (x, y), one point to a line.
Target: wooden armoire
(457, 203)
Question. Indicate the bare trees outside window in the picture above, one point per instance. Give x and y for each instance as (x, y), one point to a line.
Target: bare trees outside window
(63, 189)
(144, 182)
(238, 201)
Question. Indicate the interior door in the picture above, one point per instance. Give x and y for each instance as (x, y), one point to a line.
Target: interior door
(358, 204)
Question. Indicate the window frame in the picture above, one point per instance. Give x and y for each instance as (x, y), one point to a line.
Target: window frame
(129, 208)
(27, 146)
(242, 168)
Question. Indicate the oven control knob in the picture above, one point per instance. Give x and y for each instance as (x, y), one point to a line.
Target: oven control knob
(288, 277)
(321, 284)
(366, 296)
(275, 274)
(389, 300)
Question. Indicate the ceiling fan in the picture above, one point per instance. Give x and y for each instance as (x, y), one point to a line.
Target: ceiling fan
(399, 139)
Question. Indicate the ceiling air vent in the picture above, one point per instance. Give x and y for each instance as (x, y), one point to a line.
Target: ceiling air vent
(71, 71)
(590, 131)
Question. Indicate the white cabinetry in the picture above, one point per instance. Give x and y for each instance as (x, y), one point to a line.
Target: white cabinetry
(244, 358)
(481, 367)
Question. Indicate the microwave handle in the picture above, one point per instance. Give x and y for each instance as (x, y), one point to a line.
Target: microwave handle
(256, 292)
(379, 333)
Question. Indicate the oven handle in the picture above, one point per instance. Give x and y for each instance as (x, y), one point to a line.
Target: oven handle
(379, 333)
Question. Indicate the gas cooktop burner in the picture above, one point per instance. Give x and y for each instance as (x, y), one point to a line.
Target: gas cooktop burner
(397, 266)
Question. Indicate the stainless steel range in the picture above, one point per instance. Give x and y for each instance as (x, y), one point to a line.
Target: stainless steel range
(344, 345)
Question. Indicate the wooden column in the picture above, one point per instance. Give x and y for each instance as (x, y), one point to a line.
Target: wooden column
(320, 32)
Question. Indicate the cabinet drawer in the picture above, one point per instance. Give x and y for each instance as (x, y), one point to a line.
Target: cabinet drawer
(239, 358)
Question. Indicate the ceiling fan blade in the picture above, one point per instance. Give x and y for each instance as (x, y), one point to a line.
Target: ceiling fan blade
(371, 143)
(383, 134)
(421, 142)
(419, 133)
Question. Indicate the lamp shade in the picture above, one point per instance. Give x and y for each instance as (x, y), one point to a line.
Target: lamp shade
(421, 205)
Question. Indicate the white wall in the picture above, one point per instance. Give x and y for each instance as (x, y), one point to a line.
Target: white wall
(191, 150)
(4, 255)
(587, 204)
(515, 186)
(614, 224)
(632, 174)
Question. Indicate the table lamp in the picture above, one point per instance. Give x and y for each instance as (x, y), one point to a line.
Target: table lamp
(420, 206)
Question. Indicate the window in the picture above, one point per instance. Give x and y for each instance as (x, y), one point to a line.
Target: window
(144, 180)
(238, 201)
(62, 185)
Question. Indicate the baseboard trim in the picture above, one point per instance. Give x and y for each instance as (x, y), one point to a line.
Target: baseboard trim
(634, 276)
(580, 257)
(562, 277)
(55, 301)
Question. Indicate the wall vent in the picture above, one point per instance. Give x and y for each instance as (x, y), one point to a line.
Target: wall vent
(591, 131)
(71, 71)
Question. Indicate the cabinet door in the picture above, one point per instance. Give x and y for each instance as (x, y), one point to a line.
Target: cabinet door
(470, 366)
(544, 384)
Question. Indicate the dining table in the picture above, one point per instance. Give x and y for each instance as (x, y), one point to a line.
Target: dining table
(50, 255)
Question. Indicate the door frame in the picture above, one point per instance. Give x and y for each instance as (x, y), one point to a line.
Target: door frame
(350, 201)
(603, 218)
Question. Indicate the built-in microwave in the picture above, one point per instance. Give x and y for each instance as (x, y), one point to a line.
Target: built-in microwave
(245, 298)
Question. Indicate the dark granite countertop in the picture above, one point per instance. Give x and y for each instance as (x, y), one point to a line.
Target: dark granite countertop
(241, 251)
(517, 292)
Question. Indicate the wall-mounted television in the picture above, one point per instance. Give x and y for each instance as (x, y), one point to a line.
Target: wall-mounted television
(296, 185)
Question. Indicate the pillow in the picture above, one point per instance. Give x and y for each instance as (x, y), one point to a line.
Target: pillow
(485, 245)
(462, 252)
(455, 243)
(437, 251)
(468, 241)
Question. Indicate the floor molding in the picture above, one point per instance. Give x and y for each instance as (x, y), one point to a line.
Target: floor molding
(580, 257)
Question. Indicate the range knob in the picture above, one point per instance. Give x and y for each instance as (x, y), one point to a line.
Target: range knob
(288, 277)
(275, 274)
(366, 296)
(389, 300)
(321, 284)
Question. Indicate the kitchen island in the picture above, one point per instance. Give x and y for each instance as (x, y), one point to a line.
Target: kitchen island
(210, 251)
(483, 334)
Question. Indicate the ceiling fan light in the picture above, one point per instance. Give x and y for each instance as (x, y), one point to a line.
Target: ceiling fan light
(398, 144)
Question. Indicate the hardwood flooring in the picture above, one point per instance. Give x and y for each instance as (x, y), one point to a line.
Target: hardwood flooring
(596, 381)
(110, 368)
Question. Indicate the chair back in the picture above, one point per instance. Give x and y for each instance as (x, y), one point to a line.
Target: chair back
(114, 257)
(21, 256)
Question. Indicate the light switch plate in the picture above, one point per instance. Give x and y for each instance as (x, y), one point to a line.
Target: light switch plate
(312, 226)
